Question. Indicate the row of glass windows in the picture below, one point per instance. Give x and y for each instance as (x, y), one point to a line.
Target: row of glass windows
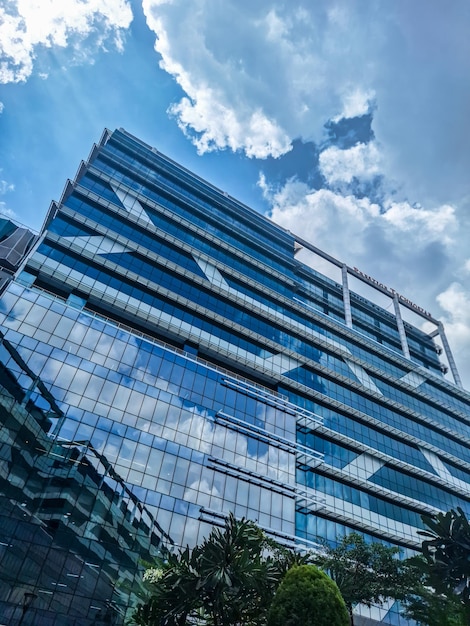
(440, 415)
(447, 397)
(424, 362)
(333, 453)
(315, 528)
(192, 292)
(157, 463)
(106, 281)
(100, 187)
(339, 493)
(385, 331)
(371, 317)
(101, 350)
(143, 446)
(317, 306)
(230, 233)
(320, 291)
(458, 472)
(62, 225)
(381, 412)
(418, 489)
(381, 335)
(86, 374)
(331, 388)
(191, 236)
(254, 225)
(365, 433)
(123, 147)
(323, 306)
(389, 477)
(303, 320)
(421, 346)
(196, 294)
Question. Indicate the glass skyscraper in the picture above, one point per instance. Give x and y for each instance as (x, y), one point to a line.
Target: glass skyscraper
(166, 359)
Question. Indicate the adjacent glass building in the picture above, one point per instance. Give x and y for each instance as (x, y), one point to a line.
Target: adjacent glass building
(166, 359)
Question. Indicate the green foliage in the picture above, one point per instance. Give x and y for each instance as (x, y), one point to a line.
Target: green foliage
(441, 595)
(228, 579)
(447, 553)
(366, 573)
(307, 597)
(424, 605)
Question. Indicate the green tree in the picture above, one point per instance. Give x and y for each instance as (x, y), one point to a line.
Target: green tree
(172, 586)
(446, 550)
(307, 597)
(229, 579)
(366, 573)
(426, 606)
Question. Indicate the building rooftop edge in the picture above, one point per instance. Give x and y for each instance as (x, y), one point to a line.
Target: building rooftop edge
(354, 271)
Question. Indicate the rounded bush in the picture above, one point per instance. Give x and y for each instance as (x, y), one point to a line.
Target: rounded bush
(307, 597)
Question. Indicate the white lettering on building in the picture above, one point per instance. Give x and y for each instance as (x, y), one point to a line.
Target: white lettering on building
(393, 292)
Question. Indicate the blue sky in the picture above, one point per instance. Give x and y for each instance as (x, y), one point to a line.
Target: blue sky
(345, 121)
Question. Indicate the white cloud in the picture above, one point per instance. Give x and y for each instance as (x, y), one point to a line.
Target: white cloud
(28, 25)
(341, 166)
(409, 248)
(424, 224)
(356, 102)
(418, 250)
(6, 212)
(294, 66)
(455, 302)
(213, 120)
(421, 252)
(2, 106)
(316, 214)
(255, 76)
(220, 127)
(5, 187)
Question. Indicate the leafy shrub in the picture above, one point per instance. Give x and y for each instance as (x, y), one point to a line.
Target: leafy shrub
(307, 597)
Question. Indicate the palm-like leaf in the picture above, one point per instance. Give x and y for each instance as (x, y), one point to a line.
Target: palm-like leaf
(227, 580)
(447, 551)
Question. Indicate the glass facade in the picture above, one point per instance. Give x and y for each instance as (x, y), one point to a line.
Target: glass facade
(166, 360)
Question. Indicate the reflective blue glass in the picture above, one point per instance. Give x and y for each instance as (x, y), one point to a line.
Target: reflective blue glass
(170, 361)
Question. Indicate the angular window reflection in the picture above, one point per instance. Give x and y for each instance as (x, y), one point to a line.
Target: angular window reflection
(73, 532)
(166, 359)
